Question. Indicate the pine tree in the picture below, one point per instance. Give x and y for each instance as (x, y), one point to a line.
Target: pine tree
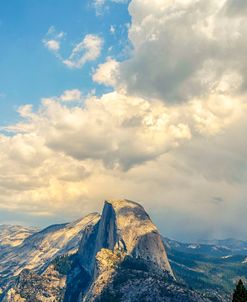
(240, 293)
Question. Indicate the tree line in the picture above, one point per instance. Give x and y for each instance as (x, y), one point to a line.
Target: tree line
(240, 293)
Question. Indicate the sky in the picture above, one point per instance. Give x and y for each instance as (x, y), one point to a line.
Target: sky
(138, 99)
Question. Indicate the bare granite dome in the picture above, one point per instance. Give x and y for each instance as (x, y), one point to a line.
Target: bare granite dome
(124, 227)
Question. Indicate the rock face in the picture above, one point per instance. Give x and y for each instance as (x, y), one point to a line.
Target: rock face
(124, 228)
(118, 256)
(138, 284)
(48, 287)
(126, 258)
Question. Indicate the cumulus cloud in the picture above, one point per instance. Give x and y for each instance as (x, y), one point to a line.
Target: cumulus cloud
(125, 147)
(106, 73)
(45, 161)
(71, 95)
(185, 49)
(115, 129)
(68, 96)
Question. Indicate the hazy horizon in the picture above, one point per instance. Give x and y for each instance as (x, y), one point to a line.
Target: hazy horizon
(173, 234)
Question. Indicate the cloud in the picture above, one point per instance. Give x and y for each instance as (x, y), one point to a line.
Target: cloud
(112, 29)
(68, 96)
(237, 7)
(71, 95)
(124, 146)
(87, 50)
(185, 49)
(102, 5)
(52, 45)
(101, 130)
(106, 73)
(53, 39)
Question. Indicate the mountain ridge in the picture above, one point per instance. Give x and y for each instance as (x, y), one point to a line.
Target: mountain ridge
(110, 248)
(38, 250)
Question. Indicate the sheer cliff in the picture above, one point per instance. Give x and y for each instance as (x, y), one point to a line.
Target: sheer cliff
(116, 256)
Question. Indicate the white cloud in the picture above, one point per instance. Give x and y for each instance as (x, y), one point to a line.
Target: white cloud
(87, 50)
(53, 39)
(185, 49)
(57, 155)
(112, 29)
(52, 45)
(101, 131)
(51, 153)
(106, 73)
(71, 95)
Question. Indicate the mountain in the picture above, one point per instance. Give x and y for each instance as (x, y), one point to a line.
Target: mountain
(125, 233)
(124, 227)
(198, 248)
(117, 256)
(211, 269)
(38, 250)
(236, 246)
(13, 235)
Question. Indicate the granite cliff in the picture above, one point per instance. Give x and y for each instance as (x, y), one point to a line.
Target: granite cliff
(118, 256)
(125, 231)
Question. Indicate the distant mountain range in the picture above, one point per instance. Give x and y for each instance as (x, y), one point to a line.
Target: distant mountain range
(14, 235)
(234, 245)
(116, 256)
(208, 267)
(211, 247)
(37, 250)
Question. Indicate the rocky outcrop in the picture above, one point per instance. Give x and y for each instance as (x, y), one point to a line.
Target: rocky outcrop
(47, 287)
(137, 283)
(63, 280)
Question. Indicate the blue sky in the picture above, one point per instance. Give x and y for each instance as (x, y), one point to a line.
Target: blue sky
(29, 71)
